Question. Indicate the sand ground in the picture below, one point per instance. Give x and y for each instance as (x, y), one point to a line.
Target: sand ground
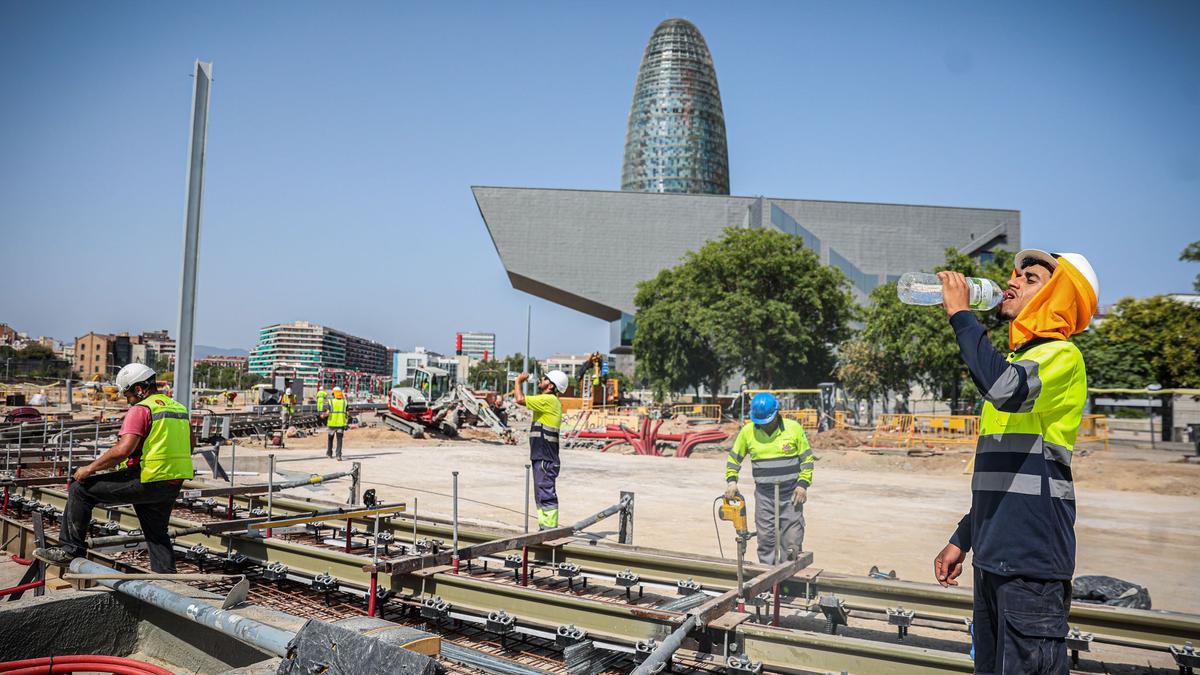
(1139, 515)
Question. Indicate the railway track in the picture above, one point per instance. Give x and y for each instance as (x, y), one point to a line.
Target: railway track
(621, 596)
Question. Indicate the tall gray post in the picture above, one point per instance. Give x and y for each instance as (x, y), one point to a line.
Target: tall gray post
(191, 233)
(525, 368)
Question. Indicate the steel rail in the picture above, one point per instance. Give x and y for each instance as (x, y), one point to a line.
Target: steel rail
(782, 647)
(781, 650)
(1161, 628)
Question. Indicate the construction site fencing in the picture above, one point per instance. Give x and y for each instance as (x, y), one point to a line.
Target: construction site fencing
(945, 429)
(904, 431)
(705, 412)
(810, 418)
(892, 429)
(1093, 429)
(602, 416)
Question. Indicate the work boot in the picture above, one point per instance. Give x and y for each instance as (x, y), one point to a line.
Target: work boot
(53, 556)
(329, 453)
(339, 457)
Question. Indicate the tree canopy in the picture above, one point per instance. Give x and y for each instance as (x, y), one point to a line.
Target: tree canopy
(901, 345)
(756, 301)
(1144, 341)
(1191, 253)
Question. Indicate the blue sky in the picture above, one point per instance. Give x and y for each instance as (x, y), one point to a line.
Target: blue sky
(344, 138)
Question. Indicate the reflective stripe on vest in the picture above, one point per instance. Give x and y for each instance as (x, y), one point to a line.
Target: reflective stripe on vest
(337, 412)
(167, 449)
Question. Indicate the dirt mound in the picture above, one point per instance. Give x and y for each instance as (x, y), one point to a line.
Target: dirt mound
(839, 438)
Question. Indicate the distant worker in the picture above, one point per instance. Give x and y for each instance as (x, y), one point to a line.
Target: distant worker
(1021, 525)
(779, 458)
(543, 441)
(336, 419)
(153, 455)
(287, 404)
(321, 394)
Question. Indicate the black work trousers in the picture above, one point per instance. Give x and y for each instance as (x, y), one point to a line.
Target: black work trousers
(151, 501)
(1020, 624)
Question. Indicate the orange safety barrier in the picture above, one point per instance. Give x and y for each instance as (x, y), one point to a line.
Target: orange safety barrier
(893, 429)
(946, 429)
(809, 418)
(698, 411)
(1093, 429)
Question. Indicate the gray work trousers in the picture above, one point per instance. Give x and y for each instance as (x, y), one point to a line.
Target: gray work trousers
(791, 521)
(331, 432)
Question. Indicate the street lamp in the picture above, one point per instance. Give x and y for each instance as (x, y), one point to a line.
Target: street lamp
(1153, 387)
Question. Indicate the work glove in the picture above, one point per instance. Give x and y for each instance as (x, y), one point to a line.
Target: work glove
(800, 495)
(731, 490)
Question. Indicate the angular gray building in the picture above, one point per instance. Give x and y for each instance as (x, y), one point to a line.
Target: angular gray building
(612, 240)
(675, 141)
(588, 249)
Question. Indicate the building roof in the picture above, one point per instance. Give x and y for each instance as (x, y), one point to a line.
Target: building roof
(588, 249)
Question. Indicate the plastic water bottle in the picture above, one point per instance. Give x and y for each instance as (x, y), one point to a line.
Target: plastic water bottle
(919, 288)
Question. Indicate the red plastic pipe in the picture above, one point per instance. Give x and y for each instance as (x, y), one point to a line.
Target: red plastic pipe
(81, 662)
(371, 596)
(22, 587)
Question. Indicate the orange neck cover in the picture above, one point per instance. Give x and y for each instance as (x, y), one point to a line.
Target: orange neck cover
(1060, 309)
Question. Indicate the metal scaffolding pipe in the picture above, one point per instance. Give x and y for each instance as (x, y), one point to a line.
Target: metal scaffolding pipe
(262, 636)
(268, 487)
(661, 656)
(601, 515)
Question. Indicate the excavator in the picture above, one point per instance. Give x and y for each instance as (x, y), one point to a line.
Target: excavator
(433, 403)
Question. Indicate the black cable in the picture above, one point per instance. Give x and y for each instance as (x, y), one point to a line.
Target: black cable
(716, 527)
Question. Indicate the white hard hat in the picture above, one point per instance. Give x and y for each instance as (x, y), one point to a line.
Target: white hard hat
(1085, 268)
(134, 373)
(1051, 260)
(337, 388)
(560, 380)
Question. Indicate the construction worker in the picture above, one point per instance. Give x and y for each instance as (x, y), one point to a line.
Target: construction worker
(782, 465)
(336, 418)
(286, 405)
(1021, 525)
(153, 455)
(321, 394)
(543, 441)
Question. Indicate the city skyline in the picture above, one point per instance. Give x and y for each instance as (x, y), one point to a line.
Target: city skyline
(1079, 115)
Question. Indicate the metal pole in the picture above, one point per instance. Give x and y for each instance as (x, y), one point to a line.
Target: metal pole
(270, 489)
(455, 522)
(778, 537)
(260, 635)
(355, 473)
(527, 469)
(1150, 407)
(202, 72)
(414, 539)
(232, 475)
(661, 656)
(71, 460)
(525, 368)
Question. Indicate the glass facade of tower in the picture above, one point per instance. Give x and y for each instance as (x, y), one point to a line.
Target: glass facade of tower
(676, 136)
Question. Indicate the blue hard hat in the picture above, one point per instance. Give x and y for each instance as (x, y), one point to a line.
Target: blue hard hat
(763, 408)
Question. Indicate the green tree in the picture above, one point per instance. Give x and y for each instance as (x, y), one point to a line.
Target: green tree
(918, 344)
(673, 354)
(1111, 365)
(861, 368)
(755, 301)
(488, 374)
(1165, 332)
(1192, 254)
